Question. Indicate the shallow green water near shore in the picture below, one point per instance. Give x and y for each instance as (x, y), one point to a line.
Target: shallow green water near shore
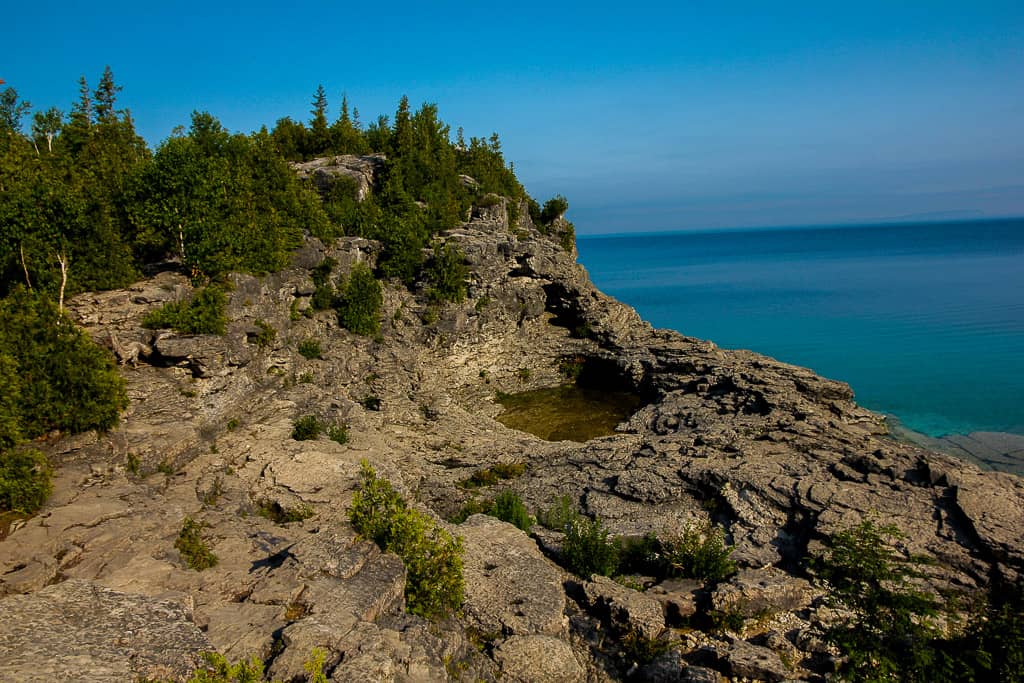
(568, 412)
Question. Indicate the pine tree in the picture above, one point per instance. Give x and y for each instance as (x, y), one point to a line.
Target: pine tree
(105, 96)
(319, 137)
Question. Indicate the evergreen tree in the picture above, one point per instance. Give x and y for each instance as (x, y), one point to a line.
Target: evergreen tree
(105, 97)
(11, 111)
(319, 139)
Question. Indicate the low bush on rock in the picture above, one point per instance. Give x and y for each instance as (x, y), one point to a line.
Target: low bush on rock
(433, 557)
(360, 301)
(507, 506)
(587, 548)
(202, 314)
(698, 552)
(307, 428)
(24, 480)
(310, 348)
(193, 548)
(493, 475)
(559, 516)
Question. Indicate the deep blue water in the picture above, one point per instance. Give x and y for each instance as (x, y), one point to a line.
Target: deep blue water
(925, 321)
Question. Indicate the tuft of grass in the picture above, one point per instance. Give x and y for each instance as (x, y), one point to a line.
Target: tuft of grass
(508, 507)
(265, 337)
(559, 516)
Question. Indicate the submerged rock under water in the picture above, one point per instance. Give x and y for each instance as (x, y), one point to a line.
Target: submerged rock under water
(567, 412)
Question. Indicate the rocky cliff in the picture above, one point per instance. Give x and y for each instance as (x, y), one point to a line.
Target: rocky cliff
(96, 590)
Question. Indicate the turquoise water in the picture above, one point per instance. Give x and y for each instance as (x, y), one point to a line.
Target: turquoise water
(925, 321)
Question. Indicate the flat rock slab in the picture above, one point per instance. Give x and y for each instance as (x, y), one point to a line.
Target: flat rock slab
(78, 631)
(624, 608)
(511, 588)
(538, 659)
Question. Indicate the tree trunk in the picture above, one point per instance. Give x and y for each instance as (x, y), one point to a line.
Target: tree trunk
(62, 259)
(28, 280)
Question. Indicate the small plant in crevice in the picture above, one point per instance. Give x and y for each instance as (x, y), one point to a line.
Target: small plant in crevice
(434, 585)
(571, 368)
(192, 547)
(280, 514)
(639, 649)
(307, 428)
(232, 424)
(523, 374)
(132, 463)
(310, 348)
(305, 377)
(559, 516)
(371, 403)
(508, 507)
(494, 474)
(338, 434)
(265, 337)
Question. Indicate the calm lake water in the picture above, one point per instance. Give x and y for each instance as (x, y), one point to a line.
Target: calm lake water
(925, 321)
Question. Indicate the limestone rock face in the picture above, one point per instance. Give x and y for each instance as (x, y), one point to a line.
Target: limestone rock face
(79, 631)
(362, 170)
(776, 456)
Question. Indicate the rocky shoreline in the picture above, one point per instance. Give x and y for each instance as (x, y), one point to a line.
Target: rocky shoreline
(94, 589)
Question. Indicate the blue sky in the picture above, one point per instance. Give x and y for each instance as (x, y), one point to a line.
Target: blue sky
(647, 116)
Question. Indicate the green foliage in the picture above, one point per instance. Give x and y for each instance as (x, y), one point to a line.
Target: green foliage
(494, 474)
(698, 552)
(338, 434)
(554, 209)
(193, 549)
(588, 550)
(447, 274)
(640, 649)
(266, 336)
(559, 516)
(891, 633)
(307, 428)
(314, 666)
(433, 557)
(52, 374)
(360, 303)
(508, 507)
(571, 367)
(310, 348)
(219, 670)
(279, 514)
(202, 314)
(220, 202)
(24, 480)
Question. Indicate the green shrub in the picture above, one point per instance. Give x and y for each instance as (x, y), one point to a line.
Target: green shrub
(24, 480)
(699, 552)
(338, 434)
(891, 633)
(559, 516)
(52, 375)
(447, 275)
(193, 549)
(202, 314)
(310, 348)
(493, 475)
(360, 303)
(587, 549)
(508, 507)
(554, 209)
(219, 670)
(471, 507)
(433, 557)
(266, 336)
(571, 368)
(307, 428)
